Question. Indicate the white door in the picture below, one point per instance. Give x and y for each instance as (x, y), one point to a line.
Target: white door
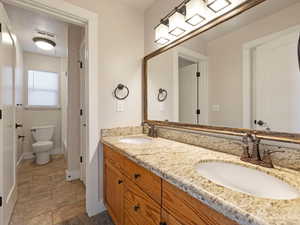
(83, 125)
(277, 84)
(188, 94)
(7, 123)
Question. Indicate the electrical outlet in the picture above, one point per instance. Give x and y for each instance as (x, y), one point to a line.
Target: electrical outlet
(120, 106)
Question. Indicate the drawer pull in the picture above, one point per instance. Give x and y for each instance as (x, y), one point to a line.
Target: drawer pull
(136, 207)
(136, 175)
(162, 223)
(120, 181)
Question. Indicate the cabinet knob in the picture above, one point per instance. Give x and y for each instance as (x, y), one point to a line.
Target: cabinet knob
(136, 176)
(136, 207)
(120, 181)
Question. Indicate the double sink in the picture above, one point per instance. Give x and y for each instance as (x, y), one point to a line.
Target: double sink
(237, 177)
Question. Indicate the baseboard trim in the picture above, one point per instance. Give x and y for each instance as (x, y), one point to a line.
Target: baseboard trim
(97, 208)
(20, 160)
(28, 155)
(72, 175)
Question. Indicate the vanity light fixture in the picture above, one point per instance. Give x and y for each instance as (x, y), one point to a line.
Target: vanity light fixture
(217, 5)
(162, 32)
(44, 43)
(195, 12)
(177, 25)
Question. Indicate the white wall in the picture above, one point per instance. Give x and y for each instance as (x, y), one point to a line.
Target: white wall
(160, 75)
(120, 51)
(37, 117)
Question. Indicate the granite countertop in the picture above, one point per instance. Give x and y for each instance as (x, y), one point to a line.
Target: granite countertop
(175, 162)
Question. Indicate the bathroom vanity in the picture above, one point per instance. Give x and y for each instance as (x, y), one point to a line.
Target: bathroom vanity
(157, 182)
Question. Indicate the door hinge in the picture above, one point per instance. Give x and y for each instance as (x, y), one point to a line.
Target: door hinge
(0, 114)
(198, 111)
(81, 159)
(0, 201)
(81, 112)
(198, 74)
(0, 27)
(81, 64)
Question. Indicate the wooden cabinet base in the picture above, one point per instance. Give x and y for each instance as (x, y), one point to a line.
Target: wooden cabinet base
(135, 196)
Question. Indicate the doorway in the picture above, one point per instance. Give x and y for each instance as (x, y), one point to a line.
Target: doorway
(68, 12)
(190, 79)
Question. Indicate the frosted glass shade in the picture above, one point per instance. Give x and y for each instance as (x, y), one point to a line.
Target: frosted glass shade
(195, 12)
(218, 5)
(162, 34)
(177, 24)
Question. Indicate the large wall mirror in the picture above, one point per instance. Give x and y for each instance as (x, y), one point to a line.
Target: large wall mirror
(241, 74)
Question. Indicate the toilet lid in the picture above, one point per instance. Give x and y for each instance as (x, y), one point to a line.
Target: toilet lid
(42, 143)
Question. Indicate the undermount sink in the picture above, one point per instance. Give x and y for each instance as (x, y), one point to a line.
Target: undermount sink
(135, 140)
(247, 180)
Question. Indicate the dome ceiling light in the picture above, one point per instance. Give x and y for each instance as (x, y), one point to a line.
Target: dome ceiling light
(44, 43)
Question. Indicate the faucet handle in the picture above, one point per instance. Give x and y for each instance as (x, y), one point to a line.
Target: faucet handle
(267, 160)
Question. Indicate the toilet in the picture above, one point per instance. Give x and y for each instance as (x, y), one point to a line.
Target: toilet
(42, 136)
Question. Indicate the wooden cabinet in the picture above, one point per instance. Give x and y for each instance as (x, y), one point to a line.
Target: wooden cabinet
(135, 196)
(114, 193)
(139, 209)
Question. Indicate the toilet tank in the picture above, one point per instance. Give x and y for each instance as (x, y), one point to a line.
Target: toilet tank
(42, 133)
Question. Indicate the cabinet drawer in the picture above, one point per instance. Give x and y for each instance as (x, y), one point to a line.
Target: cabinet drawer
(188, 210)
(147, 181)
(140, 209)
(113, 157)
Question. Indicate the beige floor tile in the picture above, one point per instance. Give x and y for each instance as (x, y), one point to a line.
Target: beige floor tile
(67, 212)
(44, 219)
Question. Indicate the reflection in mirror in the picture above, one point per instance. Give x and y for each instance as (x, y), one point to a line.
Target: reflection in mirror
(244, 73)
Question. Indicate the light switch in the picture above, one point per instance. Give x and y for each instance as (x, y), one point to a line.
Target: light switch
(120, 106)
(216, 108)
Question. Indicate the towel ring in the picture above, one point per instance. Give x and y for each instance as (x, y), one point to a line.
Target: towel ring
(121, 87)
(162, 95)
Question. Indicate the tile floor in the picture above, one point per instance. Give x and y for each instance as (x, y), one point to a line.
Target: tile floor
(46, 198)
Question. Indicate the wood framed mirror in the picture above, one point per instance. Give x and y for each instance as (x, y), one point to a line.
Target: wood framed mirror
(246, 78)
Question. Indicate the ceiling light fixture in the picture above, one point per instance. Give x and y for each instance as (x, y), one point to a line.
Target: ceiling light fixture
(44, 43)
(190, 15)
(177, 25)
(218, 5)
(195, 11)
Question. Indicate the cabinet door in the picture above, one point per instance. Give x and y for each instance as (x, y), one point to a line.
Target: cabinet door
(167, 219)
(114, 193)
(140, 209)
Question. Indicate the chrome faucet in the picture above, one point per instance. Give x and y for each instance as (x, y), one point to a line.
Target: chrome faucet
(152, 131)
(255, 157)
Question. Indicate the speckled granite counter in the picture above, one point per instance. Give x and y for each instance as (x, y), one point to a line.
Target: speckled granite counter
(175, 162)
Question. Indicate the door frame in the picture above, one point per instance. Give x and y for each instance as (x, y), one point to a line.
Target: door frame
(248, 49)
(80, 16)
(202, 62)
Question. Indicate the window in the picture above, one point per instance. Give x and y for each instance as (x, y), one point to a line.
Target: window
(43, 88)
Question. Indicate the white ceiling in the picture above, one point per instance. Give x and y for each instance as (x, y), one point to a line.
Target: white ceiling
(139, 4)
(25, 23)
